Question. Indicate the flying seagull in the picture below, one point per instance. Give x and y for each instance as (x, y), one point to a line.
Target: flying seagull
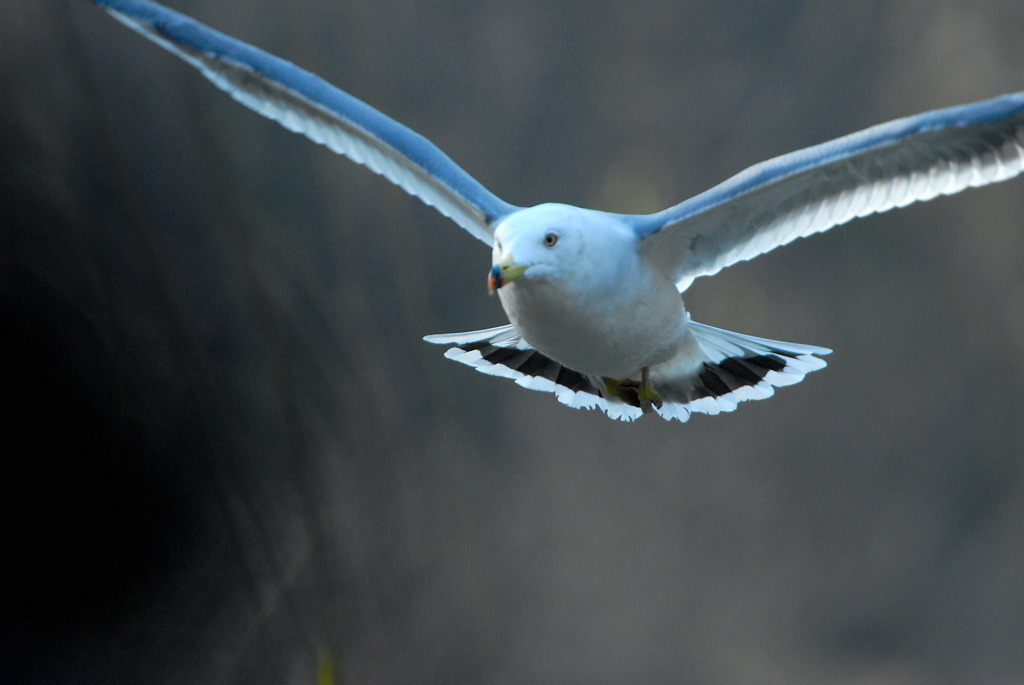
(594, 297)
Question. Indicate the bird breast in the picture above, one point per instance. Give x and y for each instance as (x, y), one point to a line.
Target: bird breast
(612, 331)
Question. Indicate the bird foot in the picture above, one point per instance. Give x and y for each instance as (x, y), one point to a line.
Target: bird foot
(623, 388)
(649, 400)
(648, 396)
(640, 393)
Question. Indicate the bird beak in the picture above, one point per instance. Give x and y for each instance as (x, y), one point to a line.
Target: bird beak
(503, 273)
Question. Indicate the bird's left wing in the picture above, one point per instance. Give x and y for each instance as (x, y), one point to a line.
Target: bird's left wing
(812, 190)
(304, 103)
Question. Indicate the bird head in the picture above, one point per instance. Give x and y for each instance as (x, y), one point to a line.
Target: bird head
(580, 250)
(538, 242)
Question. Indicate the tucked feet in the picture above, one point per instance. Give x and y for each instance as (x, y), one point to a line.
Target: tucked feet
(649, 398)
(640, 394)
(623, 388)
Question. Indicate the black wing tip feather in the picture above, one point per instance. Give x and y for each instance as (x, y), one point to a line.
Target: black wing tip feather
(735, 373)
(715, 387)
(532, 363)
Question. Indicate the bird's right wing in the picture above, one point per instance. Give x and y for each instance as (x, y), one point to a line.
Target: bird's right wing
(304, 103)
(812, 190)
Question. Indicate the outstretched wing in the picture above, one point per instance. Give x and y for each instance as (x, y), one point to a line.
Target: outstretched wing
(812, 190)
(306, 104)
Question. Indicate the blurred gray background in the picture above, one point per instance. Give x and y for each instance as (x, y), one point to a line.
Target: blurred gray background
(231, 459)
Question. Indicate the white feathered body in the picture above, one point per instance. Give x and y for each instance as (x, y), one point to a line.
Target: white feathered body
(589, 301)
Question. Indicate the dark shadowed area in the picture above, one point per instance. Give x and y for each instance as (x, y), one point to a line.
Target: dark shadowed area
(231, 459)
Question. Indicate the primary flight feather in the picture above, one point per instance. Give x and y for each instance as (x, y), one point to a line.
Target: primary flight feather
(594, 297)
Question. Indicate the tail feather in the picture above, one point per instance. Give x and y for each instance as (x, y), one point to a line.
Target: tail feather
(715, 370)
(722, 368)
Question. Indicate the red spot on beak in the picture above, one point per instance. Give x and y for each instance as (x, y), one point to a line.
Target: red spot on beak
(494, 279)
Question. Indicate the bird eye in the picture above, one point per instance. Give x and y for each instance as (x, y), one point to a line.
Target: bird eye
(550, 239)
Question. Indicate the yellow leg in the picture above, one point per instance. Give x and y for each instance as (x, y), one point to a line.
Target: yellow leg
(630, 391)
(624, 388)
(649, 398)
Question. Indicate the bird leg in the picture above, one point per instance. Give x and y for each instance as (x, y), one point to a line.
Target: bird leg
(623, 388)
(640, 393)
(648, 396)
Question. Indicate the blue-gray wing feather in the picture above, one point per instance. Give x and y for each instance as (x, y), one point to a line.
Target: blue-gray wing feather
(812, 190)
(306, 104)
